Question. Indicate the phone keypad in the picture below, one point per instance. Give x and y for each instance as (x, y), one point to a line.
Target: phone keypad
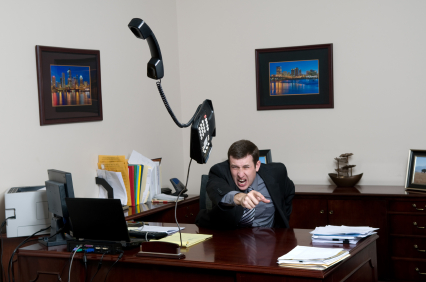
(203, 131)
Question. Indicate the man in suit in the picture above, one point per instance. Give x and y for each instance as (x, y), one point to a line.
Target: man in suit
(246, 193)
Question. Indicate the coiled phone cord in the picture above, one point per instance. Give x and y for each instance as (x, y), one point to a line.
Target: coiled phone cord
(163, 97)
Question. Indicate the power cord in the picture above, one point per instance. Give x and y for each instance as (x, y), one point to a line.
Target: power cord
(1, 239)
(10, 269)
(3, 275)
(57, 232)
(85, 265)
(99, 267)
(65, 264)
(119, 257)
(72, 258)
(146, 233)
(177, 199)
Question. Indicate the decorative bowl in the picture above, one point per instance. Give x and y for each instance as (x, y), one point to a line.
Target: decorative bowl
(345, 181)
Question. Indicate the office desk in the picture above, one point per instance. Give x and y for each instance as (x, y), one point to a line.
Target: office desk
(187, 210)
(238, 255)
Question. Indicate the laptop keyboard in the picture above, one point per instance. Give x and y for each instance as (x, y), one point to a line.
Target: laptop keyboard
(143, 234)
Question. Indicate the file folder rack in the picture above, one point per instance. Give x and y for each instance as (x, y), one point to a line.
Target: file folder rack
(106, 186)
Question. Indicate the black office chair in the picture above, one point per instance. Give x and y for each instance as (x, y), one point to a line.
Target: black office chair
(205, 202)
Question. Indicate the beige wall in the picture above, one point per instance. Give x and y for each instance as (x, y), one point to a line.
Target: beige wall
(134, 115)
(379, 89)
(208, 49)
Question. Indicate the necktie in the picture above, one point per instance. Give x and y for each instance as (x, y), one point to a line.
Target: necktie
(248, 215)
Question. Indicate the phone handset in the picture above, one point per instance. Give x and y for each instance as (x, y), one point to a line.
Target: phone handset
(140, 29)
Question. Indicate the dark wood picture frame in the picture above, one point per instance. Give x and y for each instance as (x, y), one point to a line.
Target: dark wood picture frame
(322, 98)
(265, 154)
(416, 180)
(68, 99)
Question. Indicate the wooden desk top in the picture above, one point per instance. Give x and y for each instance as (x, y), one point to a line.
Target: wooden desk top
(253, 250)
(152, 208)
(359, 190)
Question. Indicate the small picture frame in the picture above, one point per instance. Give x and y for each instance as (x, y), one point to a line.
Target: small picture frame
(299, 77)
(416, 170)
(69, 85)
(265, 156)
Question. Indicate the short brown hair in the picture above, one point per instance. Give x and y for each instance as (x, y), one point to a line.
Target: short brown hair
(242, 149)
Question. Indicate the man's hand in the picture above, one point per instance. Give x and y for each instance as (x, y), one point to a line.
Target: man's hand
(249, 200)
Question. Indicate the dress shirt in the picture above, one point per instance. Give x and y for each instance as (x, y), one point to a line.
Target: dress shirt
(264, 213)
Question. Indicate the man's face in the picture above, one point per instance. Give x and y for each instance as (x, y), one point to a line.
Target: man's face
(243, 171)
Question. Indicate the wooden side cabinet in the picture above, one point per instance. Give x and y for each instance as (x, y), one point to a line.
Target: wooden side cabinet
(401, 217)
(308, 212)
(407, 225)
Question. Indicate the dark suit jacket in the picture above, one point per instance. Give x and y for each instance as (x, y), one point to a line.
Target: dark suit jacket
(280, 187)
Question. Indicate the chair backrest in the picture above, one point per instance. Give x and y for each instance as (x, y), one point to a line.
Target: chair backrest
(205, 202)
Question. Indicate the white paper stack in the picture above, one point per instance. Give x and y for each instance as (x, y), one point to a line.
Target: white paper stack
(168, 230)
(331, 234)
(166, 197)
(312, 257)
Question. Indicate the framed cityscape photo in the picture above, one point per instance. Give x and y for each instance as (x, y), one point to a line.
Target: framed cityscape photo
(295, 77)
(416, 170)
(69, 85)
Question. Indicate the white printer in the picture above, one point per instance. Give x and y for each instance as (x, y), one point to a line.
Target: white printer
(28, 206)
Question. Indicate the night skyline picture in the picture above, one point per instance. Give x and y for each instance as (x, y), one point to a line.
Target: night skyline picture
(294, 78)
(70, 85)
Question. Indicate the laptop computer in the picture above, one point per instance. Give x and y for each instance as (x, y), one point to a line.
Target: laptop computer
(100, 220)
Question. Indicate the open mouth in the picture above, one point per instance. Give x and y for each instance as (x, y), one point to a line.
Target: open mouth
(242, 182)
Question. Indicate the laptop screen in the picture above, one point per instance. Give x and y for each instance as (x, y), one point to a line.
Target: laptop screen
(97, 219)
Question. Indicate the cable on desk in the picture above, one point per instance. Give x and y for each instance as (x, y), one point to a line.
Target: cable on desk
(10, 268)
(146, 233)
(119, 257)
(59, 231)
(65, 264)
(177, 199)
(99, 267)
(86, 251)
(85, 266)
(3, 275)
(72, 258)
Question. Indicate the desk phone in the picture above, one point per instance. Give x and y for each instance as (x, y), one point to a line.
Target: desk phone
(202, 131)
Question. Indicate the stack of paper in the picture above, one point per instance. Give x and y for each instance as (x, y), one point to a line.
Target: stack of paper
(312, 257)
(168, 230)
(341, 234)
(165, 197)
